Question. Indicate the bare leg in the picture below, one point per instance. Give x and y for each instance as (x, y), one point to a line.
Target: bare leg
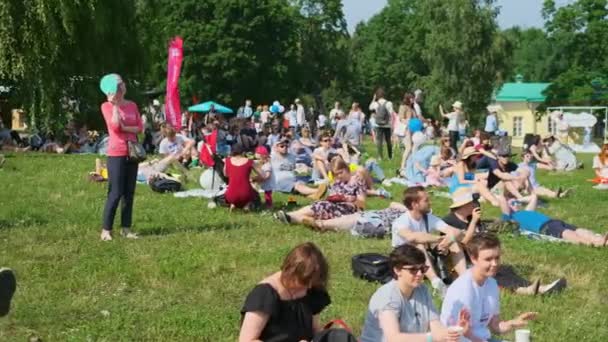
(573, 237)
(342, 223)
(303, 189)
(301, 214)
(320, 166)
(542, 191)
(458, 259)
(483, 190)
(407, 141)
(594, 238)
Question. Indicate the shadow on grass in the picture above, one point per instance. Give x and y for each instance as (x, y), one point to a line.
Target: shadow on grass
(173, 230)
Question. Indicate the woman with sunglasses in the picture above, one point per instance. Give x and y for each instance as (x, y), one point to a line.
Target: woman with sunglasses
(320, 165)
(403, 308)
(124, 123)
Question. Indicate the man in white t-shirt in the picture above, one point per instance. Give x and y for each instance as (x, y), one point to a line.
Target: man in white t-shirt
(477, 292)
(455, 117)
(412, 227)
(177, 145)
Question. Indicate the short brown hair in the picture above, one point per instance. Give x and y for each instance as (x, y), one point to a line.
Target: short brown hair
(169, 131)
(482, 241)
(405, 255)
(379, 93)
(305, 265)
(412, 195)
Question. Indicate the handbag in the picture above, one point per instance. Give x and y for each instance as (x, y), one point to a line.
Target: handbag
(137, 153)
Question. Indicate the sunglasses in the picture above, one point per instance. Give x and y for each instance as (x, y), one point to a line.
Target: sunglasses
(282, 146)
(326, 140)
(415, 269)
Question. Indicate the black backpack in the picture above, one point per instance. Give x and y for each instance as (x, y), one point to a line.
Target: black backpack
(162, 185)
(343, 334)
(383, 117)
(372, 267)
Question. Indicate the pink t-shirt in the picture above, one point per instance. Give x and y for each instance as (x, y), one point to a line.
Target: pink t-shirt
(129, 114)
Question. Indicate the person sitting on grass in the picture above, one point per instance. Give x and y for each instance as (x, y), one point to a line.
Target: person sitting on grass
(8, 285)
(600, 166)
(465, 214)
(239, 192)
(531, 166)
(347, 196)
(415, 227)
(476, 291)
(320, 163)
(177, 145)
(265, 179)
(403, 309)
(530, 220)
(464, 176)
(284, 177)
(361, 173)
(286, 305)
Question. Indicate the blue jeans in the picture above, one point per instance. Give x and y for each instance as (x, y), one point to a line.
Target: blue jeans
(372, 167)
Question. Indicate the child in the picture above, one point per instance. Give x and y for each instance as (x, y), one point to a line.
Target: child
(265, 179)
(433, 174)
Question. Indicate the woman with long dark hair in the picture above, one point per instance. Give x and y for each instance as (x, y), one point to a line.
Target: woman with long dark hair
(124, 123)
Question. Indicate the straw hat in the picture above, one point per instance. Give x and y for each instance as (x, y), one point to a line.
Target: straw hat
(457, 105)
(462, 196)
(468, 152)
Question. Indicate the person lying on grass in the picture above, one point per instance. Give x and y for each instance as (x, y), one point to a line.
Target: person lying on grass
(530, 220)
(403, 309)
(286, 305)
(416, 227)
(476, 291)
(347, 196)
(466, 215)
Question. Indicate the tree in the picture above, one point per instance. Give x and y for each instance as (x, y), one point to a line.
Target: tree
(451, 49)
(577, 32)
(532, 53)
(464, 53)
(233, 49)
(323, 44)
(51, 49)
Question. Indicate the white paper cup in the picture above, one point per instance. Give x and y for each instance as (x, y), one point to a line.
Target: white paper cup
(522, 335)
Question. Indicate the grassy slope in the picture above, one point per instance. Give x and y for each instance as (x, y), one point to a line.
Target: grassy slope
(187, 277)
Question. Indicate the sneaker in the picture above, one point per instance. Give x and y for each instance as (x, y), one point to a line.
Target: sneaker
(106, 235)
(282, 216)
(128, 234)
(387, 183)
(384, 194)
(8, 285)
(555, 287)
(531, 290)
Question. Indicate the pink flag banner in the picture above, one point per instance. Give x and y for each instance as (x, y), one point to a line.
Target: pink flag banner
(173, 113)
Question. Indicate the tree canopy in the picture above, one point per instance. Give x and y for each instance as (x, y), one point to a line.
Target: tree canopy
(54, 52)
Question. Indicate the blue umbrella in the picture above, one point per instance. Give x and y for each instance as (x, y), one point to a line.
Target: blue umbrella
(206, 107)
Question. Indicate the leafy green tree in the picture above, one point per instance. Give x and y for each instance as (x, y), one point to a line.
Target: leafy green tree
(532, 53)
(233, 49)
(55, 51)
(577, 32)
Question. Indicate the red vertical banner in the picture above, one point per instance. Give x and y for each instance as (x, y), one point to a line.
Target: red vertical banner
(173, 113)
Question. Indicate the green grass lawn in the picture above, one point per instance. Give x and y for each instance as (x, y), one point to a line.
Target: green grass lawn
(188, 275)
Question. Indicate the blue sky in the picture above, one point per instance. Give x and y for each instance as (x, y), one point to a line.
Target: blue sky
(523, 13)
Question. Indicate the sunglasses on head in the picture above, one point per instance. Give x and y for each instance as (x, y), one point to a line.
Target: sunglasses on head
(415, 269)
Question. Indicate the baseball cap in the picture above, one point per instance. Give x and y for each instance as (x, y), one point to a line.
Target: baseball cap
(261, 150)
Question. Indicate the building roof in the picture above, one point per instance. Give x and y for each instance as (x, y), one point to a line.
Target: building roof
(522, 92)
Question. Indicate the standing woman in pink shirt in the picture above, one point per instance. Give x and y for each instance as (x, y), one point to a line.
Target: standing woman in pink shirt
(123, 122)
